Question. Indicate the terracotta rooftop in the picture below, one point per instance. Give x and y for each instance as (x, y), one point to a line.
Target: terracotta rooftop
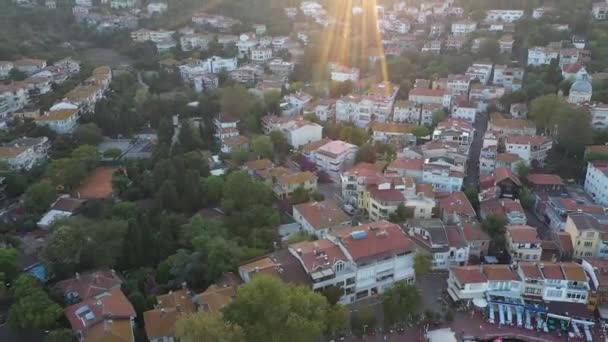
(507, 157)
(57, 115)
(176, 299)
(375, 240)
(457, 203)
(503, 173)
(469, 274)
(499, 273)
(392, 127)
(551, 271)
(112, 304)
(573, 272)
(545, 179)
(472, 231)
(111, 330)
(530, 270)
(406, 164)
(366, 169)
(318, 255)
(160, 322)
(215, 297)
(388, 195)
(259, 164)
(565, 242)
(426, 189)
(322, 214)
(523, 234)
(89, 284)
(296, 178)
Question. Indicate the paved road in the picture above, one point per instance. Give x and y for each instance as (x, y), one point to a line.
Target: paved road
(472, 177)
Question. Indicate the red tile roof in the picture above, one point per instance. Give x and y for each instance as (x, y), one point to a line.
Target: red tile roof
(320, 254)
(503, 173)
(406, 164)
(113, 304)
(458, 203)
(530, 270)
(499, 273)
(551, 271)
(545, 179)
(89, 284)
(565, 241)
(366, 169)
(454, 238)
(472, 231)
(523, 234)
(389, 195)
(573, 271)
(375, 240)
(322, 214)
(469, 274)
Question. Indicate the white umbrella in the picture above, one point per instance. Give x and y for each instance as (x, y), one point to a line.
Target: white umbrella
(480, 302)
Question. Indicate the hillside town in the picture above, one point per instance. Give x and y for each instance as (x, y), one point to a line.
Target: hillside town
(427, 170)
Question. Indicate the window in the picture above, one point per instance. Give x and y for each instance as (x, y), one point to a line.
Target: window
(554, 293)
(588, 243)
(339, 266)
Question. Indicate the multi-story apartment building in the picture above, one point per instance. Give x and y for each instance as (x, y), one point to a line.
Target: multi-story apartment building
(480, 71)
(5, 69)
(445, 243)
(539, 55)
(24, 153)
(554, 282)
(62, 120)
(599, 116)
(442, 178)
(454, 130)
(354, 181)
(589, 235)
(303, 132)
(596, 181)
(261, 55)
(335, 157)
(12, 98)
(382, 253)
(195, 41)
(523, 243)
(320, 218)
(504, 15)
(531, 149)
(406, 111)
(466, 110)
(341, 73)
(285, 184)
(463, 27)
(466, 283)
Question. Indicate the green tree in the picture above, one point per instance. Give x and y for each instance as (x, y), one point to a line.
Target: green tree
(262, 146)
(189, 137)
(60, 335)
(421, 131)
(33, 309)
(9, 263)
(400, 303)
(87, 155)
(523, 170)
(332, 294)
(39, 197)
(472, 195)
(299, 195)
(423, 262)
(88, 134)
(211, 327)
(490, 49)
(337, 319)
(271, 310)
(236, 101)
(279, 143)
(366, 153)
(112, 153)
(67, 172)
(438, 116)
(526, 198)
(124, 210)
(239, 156)
(363, 321)
(494, 226)
(212, 188)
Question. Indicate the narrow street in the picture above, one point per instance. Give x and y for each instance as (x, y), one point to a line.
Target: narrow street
(472, 177)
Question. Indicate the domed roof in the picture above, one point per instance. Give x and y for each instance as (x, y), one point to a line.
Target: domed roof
(581, 86)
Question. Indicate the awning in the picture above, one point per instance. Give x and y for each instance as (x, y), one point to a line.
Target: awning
(480, 302)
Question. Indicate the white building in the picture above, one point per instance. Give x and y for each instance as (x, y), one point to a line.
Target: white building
(531, 149)
(466, 110)
(599, 116)
(596, 182)
(383, 255)
(261, 55)
(340, 73)
(539, 55)
(320, 218)
(303, 132)
(195, 41)
(335, 157)
(458, 84)
(427, 96)
(580, 92)
(157, 7)
(480, 71)
(454, 130)
(24, 153)
(445, 244)
(62, 120)
(504, 15)
(442, 177)
(5, 69)
(523, 243)
(155, 36)
(600, 10)
(280, 67)
(406, 111)
(466, 283)
(12, 98)
(121, 4)
(463, 27)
